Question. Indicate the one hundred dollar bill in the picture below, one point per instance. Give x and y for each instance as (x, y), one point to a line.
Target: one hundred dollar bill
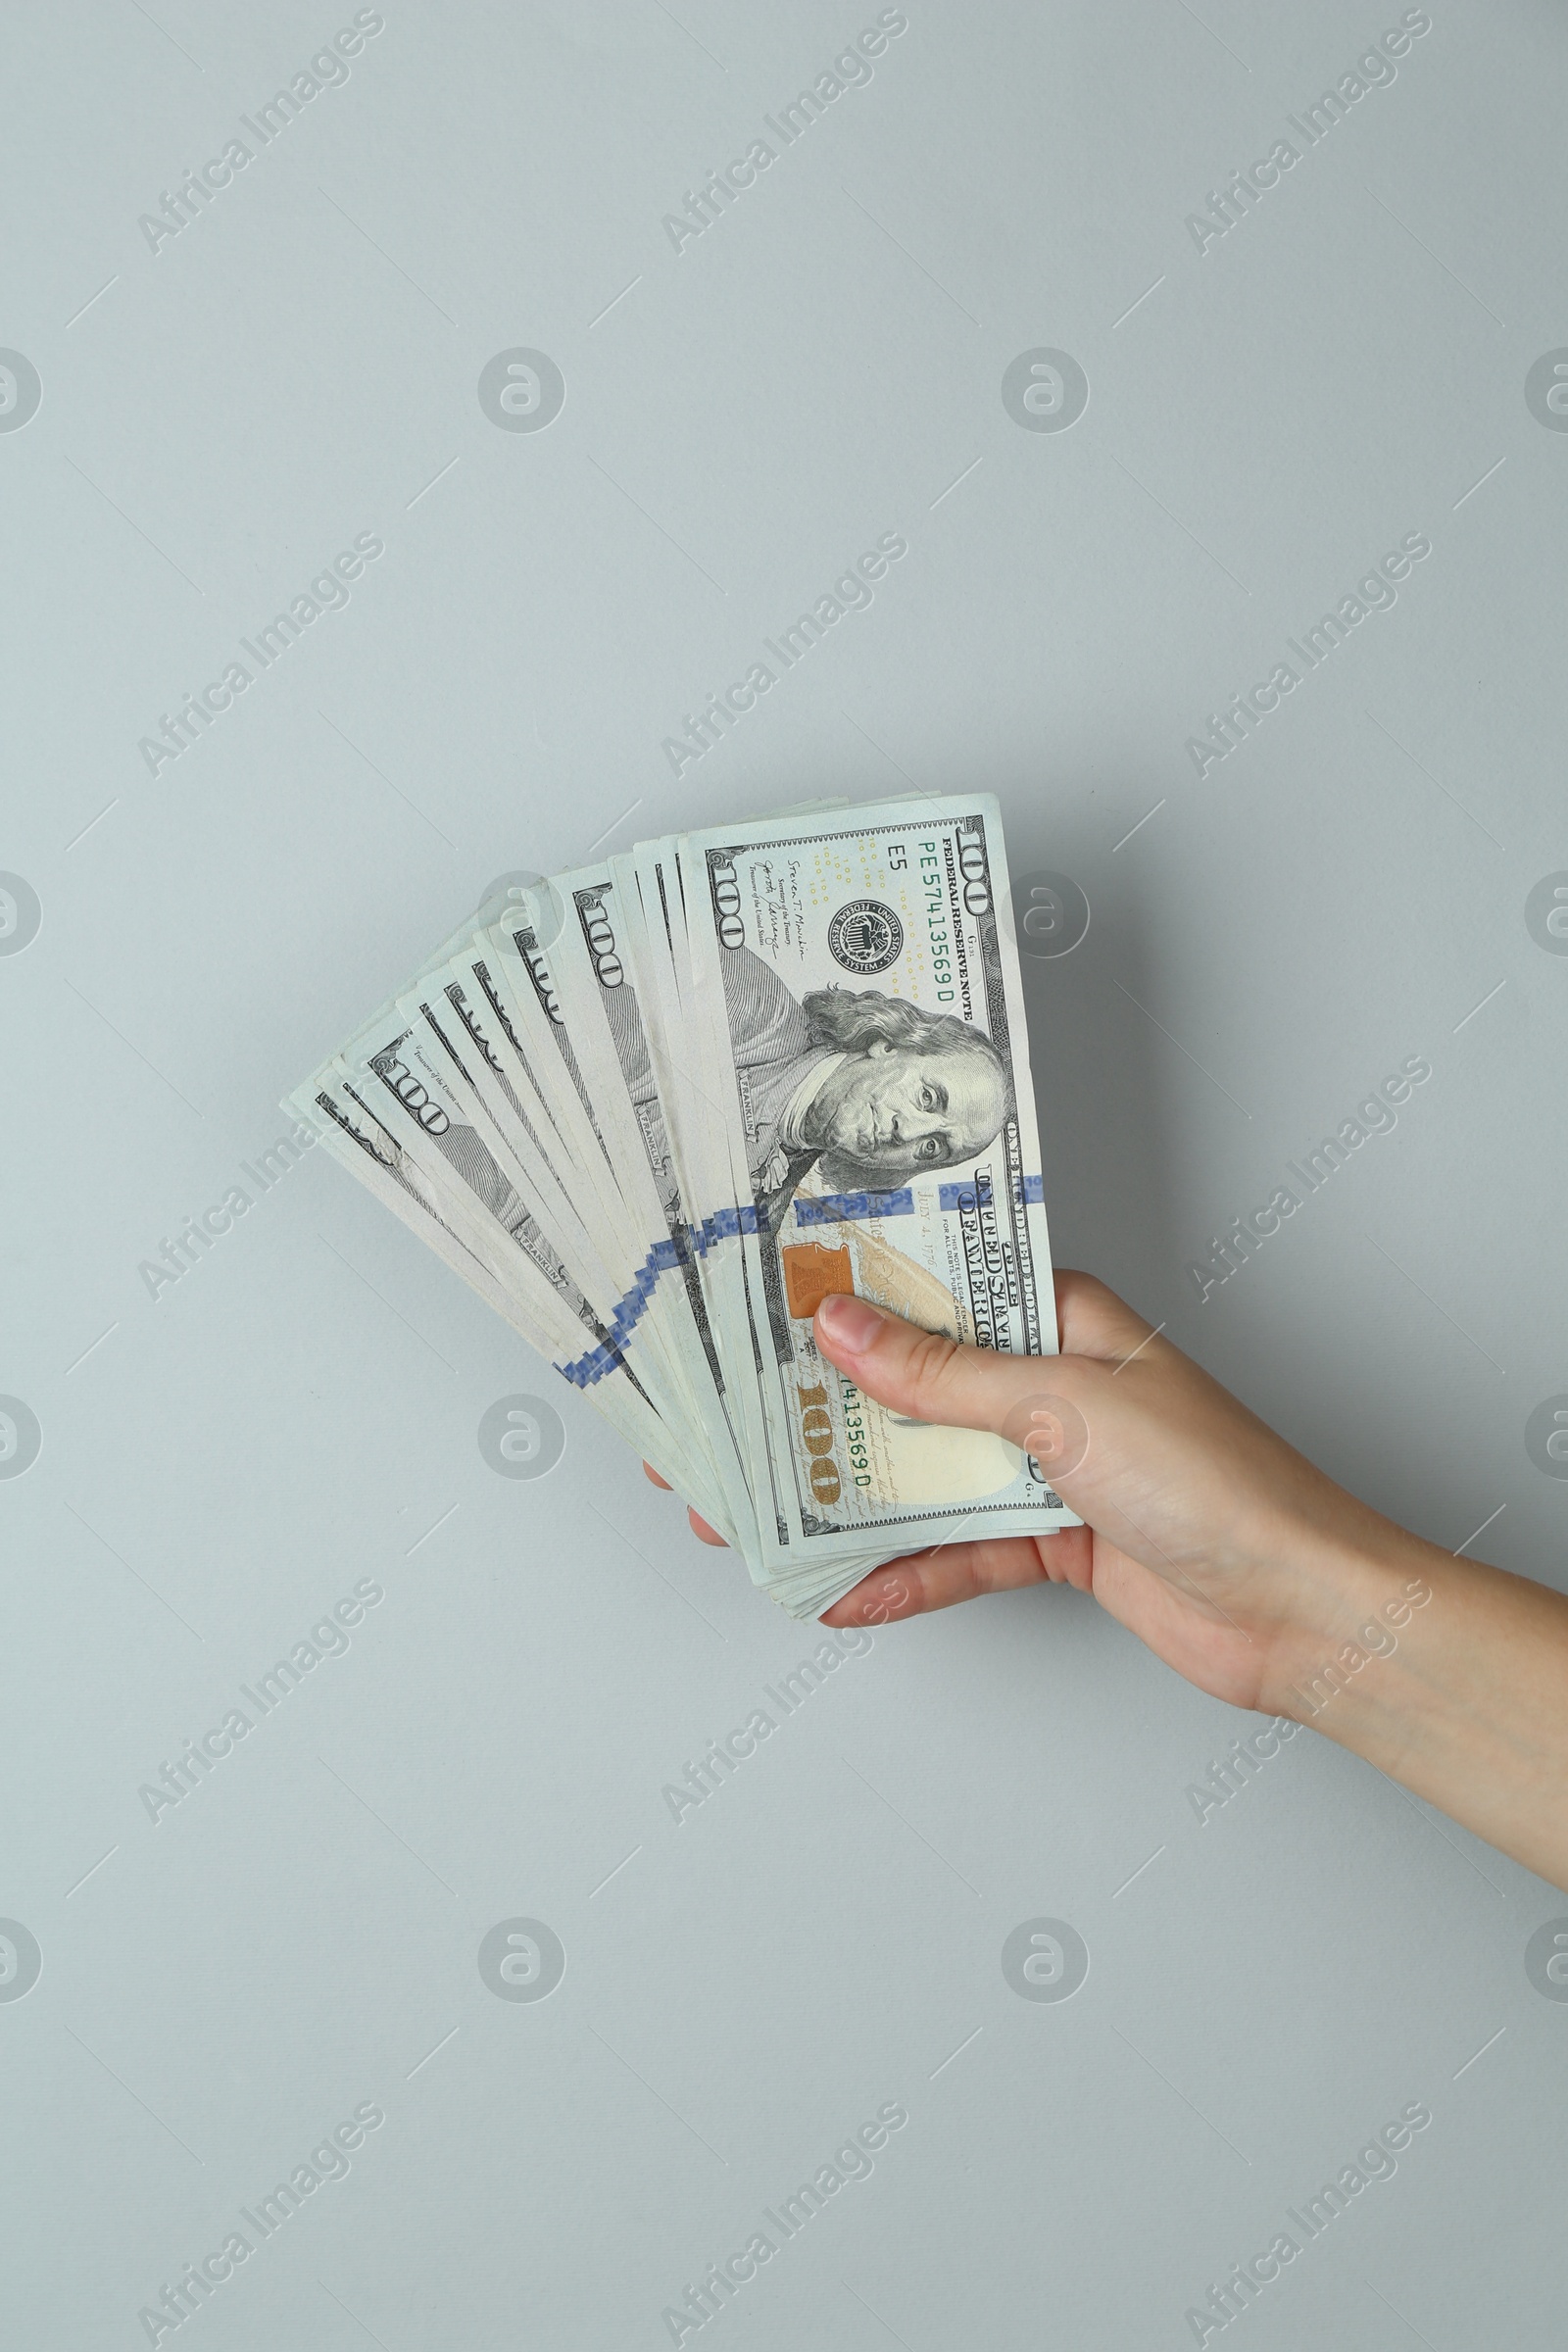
(863, 994)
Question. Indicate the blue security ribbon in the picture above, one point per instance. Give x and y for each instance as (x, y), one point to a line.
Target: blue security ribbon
(835, 1207)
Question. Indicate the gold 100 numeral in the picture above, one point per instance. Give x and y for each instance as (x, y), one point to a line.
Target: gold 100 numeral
(816, 1430)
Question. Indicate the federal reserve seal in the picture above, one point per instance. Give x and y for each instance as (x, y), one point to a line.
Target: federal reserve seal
(866, 936)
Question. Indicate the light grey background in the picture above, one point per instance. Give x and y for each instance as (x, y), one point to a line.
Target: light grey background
(221, 1464)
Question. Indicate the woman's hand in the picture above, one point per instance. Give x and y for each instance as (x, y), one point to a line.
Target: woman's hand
(1206, 1536)
(1209, 1537)
(1236, 1561)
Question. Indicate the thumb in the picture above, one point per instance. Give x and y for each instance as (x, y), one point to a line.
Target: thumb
(1039, 1404)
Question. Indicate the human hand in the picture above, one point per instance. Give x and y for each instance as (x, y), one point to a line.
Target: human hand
(1220, 1546)
(1206, 1534)
(1236, 1562)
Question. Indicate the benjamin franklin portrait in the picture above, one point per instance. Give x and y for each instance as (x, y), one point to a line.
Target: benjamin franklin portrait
(873, 1088)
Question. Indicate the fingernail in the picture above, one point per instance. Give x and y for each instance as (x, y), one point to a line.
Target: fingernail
(849, 1323)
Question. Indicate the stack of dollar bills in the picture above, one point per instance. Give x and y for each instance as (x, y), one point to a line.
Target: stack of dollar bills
(656, 1109)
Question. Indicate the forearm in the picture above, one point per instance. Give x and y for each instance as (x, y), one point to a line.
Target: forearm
(1462, 1696)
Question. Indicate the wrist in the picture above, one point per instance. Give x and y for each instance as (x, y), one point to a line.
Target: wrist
(1362, 1592)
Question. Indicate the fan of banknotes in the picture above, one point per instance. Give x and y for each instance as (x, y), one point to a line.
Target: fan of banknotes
(656, 1109)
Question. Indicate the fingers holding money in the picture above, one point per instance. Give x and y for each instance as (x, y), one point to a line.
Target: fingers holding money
(1037, 1403)
(953, 1572)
